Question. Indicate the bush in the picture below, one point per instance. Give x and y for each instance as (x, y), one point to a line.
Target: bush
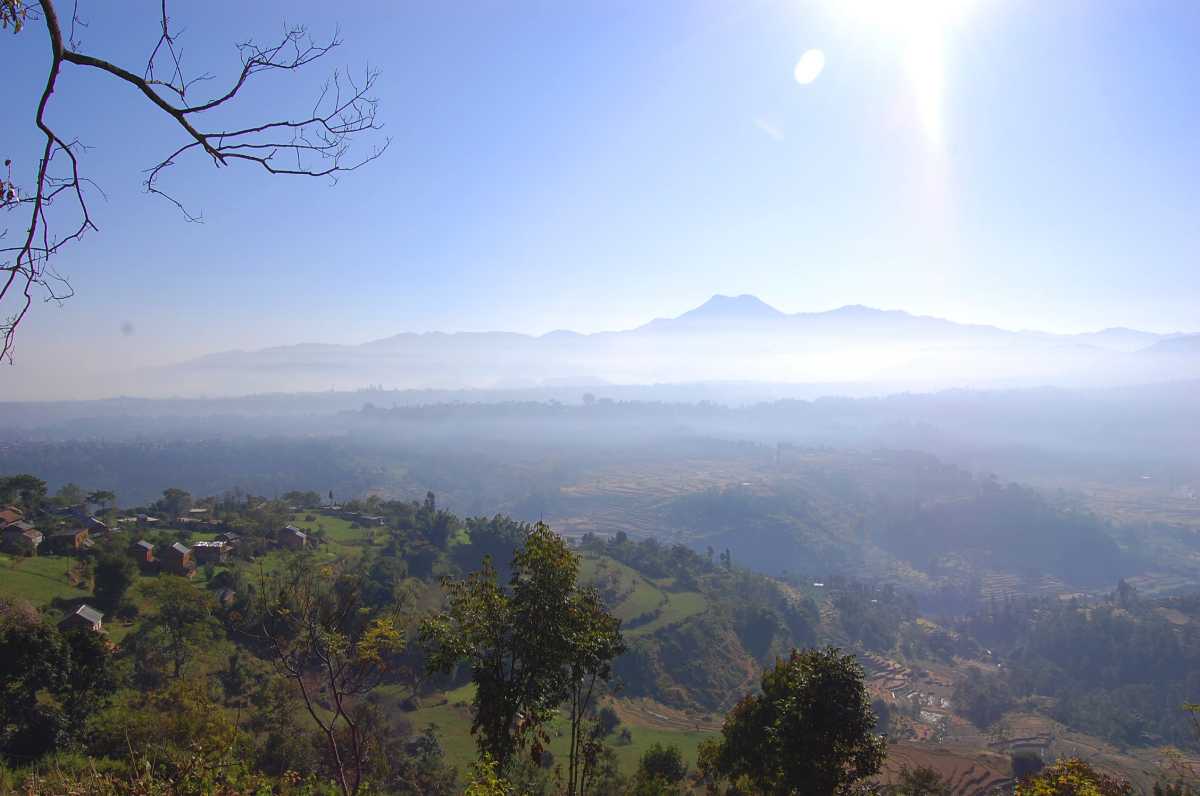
(662, 763)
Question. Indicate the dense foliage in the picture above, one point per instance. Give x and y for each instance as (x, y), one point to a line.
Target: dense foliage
(810, 731)
(1118, 668)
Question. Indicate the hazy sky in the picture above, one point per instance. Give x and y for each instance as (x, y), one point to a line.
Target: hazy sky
(591, 166)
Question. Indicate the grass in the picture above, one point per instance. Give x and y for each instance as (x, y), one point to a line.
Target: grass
(680, 606)
(38, 580)
(643, 596)
(453, 721)
(341, 537)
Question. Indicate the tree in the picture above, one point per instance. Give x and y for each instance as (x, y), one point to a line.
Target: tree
(920, 781)
(810, 731)
(527, 644)
(34, 658)
(607, 721)
(183, 623)
(334, 651)
(103, 497)
(175, 501)
(597, 642)
(316, 143)
(115, 573)
(660, 768)
(70, 494)
(982, 698)
(1072, 777)
(50, 682)
(28, 490)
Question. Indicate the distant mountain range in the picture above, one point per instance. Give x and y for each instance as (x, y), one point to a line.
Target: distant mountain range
(726, 339)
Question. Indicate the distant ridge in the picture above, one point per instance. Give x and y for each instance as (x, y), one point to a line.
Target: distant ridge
(728, 338)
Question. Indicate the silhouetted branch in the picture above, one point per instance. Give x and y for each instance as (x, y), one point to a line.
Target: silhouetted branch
(315, 145)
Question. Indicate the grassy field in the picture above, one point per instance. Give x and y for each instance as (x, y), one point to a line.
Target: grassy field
(641, 596)
(453, 720)
(39, 579)
(680, 606)
(341, 537)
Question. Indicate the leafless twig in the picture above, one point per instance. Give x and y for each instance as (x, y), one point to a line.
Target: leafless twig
(316, 144)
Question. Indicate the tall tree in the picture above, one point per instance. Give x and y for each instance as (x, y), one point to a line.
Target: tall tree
(50, 683)
(175, 501)
(810, 731)
(183, 623)
(524, 642)
(334, 650)
(598, 642)
(114, 574)
(28, 490)
(70, 494)
(103, 497)
(315, 143)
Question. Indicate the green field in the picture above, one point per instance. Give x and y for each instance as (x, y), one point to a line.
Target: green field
(38, 580)
(341, 538)
(642, 596)
(453, 720)
(679, 606)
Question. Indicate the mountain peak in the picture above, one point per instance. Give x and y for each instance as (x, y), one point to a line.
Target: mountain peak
(742, 308)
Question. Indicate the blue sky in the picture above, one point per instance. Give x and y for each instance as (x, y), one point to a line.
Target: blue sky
(591, 166)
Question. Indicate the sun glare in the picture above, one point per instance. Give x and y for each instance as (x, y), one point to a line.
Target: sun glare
(920, 30)
(809, 67)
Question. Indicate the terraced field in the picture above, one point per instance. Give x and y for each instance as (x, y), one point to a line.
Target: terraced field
(638, 597)
(967, 774)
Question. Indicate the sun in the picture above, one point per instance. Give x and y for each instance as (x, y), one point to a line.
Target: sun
(921, 30)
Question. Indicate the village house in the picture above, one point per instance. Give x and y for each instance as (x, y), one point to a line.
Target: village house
(77, 511)
(177, 559)
(70, 541)
(143, 551)
(21, 537)
(292, 537)
(9, 515)
(85, 617)
(210, 552)
(95, 527)
(226, 598)
(229, 538)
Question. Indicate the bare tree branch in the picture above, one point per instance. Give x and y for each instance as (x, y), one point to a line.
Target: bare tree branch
(314, 145)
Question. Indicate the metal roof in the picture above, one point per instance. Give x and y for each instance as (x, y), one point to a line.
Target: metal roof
(89, 613)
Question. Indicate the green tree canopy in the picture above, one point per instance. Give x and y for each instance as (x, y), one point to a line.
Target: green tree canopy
(662, 765)
(49, 682)
(175, 501)
(183, 623)
(810, 731)
(528, 644)
(25, 489)
(1072, 777)
(115, 573)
